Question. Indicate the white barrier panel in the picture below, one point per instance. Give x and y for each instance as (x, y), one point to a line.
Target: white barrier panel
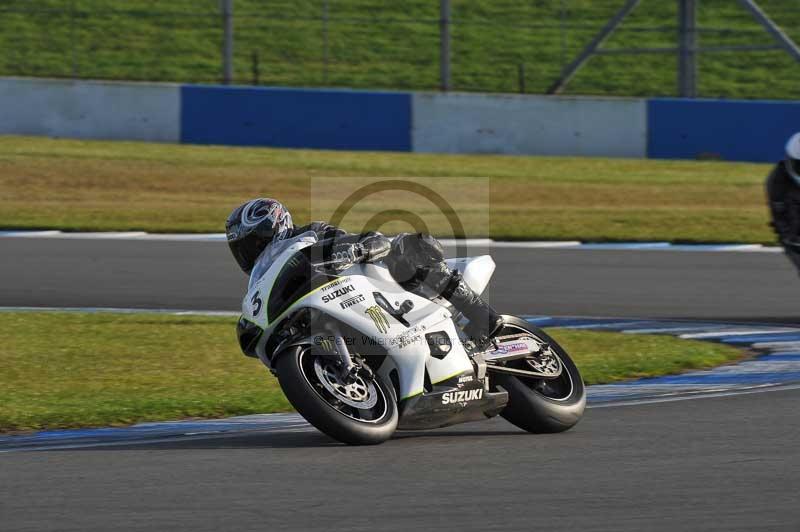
(90, 110)
(529, 125)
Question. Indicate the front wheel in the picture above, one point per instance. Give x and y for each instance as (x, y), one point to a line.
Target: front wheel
(360, 413)
(541, 405)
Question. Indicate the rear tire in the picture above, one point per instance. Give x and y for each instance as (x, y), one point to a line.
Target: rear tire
(324, 409)
(537, 405)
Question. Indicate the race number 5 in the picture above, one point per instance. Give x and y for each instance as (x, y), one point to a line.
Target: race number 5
(255, 303)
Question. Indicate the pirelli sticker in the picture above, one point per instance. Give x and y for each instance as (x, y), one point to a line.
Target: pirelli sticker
(349, 302)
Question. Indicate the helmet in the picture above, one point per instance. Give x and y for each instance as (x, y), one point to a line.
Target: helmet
(254, 225)
(792, 162)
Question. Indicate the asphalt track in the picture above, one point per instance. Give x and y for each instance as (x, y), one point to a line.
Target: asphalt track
(711, 464)
(726, 463)
(738, 286)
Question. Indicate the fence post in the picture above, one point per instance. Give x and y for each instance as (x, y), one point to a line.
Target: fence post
(563, 34)
(687, 48)
(325, 44)
(73, 36)
(444, 44)
(256, 68)
(227, 41)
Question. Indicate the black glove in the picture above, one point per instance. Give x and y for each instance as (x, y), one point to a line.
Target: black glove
(345, 254)
(376, 246)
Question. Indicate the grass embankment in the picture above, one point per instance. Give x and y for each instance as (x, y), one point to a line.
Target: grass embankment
(102, 186)
(394, 45)
(75, 370)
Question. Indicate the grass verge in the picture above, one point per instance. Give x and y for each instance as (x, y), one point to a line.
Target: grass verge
(119, 186)
(63, 370)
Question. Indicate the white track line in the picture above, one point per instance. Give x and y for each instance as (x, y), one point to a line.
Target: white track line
(738, 332)
(476, 242)
(536, 245)
(700, 395)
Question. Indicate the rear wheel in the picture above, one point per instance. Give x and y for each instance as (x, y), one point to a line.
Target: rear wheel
(362, 412)
(541, 405)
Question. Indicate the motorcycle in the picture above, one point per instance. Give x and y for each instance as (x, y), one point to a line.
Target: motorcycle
(360, 357)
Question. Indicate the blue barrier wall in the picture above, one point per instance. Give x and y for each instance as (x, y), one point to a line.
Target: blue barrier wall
(296, 118)
(734, 130)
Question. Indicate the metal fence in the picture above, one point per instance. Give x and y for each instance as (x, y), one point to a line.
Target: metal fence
(466, 45)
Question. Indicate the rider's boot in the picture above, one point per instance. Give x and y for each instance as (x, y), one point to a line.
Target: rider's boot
(484, 321)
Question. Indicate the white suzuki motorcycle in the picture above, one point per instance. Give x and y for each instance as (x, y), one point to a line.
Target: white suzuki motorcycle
(360, 357)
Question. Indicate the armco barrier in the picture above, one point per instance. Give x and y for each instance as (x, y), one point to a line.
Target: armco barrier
(733, 130)
(399, 121)
(295, 118)
(90, 110)
(529, 125)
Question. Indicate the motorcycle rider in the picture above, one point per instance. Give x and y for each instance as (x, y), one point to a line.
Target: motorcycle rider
(783, 193)
(416, 261)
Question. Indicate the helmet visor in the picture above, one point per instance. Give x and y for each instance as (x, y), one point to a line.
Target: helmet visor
(246, 250)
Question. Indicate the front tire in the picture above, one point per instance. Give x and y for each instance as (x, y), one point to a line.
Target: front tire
(537, 405)
(364, 413)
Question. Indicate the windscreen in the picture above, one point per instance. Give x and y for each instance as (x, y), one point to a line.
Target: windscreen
(272, 251)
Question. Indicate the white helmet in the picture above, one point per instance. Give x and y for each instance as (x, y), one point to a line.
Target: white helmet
(792, 162)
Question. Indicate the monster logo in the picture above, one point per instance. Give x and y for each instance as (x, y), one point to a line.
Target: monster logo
(326, 345)
(379, 318)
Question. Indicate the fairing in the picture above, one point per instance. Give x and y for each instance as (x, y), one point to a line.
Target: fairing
(476, 271)
(358, 297)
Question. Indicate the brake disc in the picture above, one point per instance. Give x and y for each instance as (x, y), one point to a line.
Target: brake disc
(359, 394)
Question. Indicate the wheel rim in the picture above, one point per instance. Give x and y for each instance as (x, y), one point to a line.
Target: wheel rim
(363, 400)
(559, 389)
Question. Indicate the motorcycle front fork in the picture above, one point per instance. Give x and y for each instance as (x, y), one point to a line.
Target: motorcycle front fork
(348, 370)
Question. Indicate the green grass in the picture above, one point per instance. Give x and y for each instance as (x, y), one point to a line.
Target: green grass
(73, 370)
(94, 185)
(383, 44)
